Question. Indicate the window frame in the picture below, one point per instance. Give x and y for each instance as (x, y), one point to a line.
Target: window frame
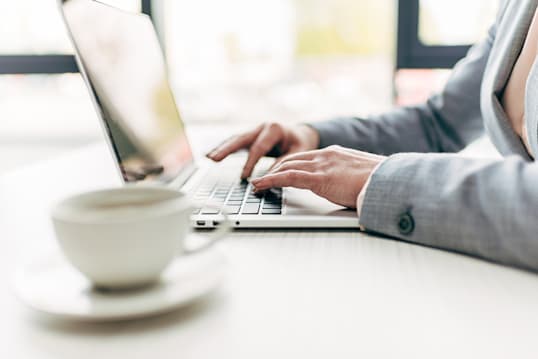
(49, 64)
(412, 53)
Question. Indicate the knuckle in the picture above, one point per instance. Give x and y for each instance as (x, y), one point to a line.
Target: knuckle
(293, 175)
(242, 136)
(334, 149)
(284, 159)
(285, 167)
(274, 126)
(231, 140)
(257, 149)
(248, 166)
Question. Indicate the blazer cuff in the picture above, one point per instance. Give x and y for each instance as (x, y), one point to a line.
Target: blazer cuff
(327, 131)
(387, 204)
(330, 132)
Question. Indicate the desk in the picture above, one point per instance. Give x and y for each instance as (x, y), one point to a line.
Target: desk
(292, 294)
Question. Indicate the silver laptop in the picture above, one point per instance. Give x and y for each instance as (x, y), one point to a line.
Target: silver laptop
(122, 63)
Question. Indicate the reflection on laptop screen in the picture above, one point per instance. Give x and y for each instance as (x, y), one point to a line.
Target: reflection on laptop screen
(124, 64)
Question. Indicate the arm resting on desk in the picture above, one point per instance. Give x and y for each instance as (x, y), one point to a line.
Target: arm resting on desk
(486, 208)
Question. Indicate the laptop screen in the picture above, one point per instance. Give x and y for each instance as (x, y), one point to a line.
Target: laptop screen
(124, 65)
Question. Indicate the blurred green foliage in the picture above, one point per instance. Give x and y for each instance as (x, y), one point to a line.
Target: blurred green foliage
(345, 27)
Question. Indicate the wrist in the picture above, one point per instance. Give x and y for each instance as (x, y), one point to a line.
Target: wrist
(362, 193)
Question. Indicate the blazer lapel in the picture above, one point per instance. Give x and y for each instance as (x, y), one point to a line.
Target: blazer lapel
(512, 31)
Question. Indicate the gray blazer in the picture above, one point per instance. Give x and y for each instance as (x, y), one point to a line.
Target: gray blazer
(485, 208)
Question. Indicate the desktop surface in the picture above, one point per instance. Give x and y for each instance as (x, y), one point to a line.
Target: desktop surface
(287, 294)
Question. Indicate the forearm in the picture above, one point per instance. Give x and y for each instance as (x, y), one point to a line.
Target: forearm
(483, 208)
(407, 129)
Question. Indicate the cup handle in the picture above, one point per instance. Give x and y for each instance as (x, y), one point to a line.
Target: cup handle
(221, 230)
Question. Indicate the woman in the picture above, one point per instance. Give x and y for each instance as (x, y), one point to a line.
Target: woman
(388, 171)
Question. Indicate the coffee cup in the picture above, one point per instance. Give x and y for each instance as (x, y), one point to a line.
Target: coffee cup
(126, 237)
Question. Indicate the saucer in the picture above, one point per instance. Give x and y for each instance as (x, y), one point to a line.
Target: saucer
(50, 285)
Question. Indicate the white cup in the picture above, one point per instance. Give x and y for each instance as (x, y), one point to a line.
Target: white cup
(126, 237)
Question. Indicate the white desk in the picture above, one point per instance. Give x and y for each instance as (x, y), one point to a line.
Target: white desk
(287, 294)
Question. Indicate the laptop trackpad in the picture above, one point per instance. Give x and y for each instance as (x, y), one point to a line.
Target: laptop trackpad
(304, 203)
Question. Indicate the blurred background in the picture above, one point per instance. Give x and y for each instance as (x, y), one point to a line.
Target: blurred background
(237, 62)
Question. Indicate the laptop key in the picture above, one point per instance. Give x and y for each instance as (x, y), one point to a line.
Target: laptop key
(272, 197)
(232, 209)
(251, 208)
(271, 211)
(234, 200)
(271, 205)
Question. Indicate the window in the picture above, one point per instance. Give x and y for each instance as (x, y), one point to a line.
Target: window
(443, 22)
(285, 60)
(44, 106)
(433, 35)
(237, 60)
(34, 40)
(436, 33)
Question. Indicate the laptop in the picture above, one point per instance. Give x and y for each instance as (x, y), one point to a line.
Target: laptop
(123, 66)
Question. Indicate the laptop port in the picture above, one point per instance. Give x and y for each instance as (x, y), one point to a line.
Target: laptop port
(200, 223)
(216, 223)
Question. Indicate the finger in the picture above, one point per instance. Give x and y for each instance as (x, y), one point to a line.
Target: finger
(268, 138)
(307, 166)
(234, 144)
(228, 147)
(299, 156)
(366, 155)
(276, 162)
(292, 178)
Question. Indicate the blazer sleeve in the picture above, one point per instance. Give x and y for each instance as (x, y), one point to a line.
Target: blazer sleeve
(484, 208)
(447, 122)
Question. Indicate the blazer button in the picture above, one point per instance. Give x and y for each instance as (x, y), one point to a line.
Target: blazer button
(406, 224)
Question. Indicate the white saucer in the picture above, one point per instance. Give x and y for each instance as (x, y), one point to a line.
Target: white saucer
(50, 285)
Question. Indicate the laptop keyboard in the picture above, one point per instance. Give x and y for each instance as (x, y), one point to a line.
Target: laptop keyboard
(236, 197)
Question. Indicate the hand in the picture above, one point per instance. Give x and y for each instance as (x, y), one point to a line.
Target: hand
(267, 139)
(335, 173)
